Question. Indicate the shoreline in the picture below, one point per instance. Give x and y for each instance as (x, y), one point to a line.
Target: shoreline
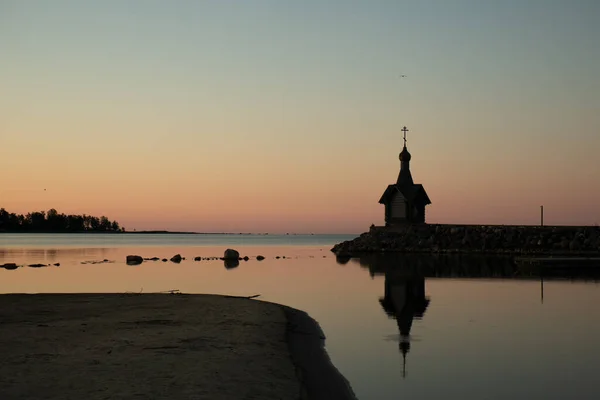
(319, 378)
(162, 346)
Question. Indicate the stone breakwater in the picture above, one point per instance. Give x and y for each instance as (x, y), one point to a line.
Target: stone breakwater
(481, 239)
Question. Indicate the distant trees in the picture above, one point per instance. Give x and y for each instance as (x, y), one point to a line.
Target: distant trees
(52, 221)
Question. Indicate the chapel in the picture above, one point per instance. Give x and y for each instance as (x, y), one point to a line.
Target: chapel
(404, 200)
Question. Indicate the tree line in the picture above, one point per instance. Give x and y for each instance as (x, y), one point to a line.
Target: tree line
(52, 221)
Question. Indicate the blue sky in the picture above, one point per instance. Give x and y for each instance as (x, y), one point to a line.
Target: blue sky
(502, 99)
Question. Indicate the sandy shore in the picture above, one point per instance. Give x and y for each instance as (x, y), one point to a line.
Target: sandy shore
(159, 346)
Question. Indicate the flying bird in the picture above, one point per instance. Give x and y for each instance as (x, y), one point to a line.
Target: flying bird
(402, 76)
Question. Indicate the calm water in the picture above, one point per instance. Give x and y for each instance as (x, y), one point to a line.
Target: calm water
(95, 240)
(397, 327)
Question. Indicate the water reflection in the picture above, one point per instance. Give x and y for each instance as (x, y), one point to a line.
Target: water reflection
(440, 266)
(404, 294)
(37, 254)
(471, 267)
(231, 263)
(404, 299)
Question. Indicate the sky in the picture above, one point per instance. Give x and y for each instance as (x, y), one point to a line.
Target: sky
(285, 116)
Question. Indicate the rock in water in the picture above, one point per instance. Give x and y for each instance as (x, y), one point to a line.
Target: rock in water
(134, 260)
(197, 258)
(176, 258)
(231, 254)
(10, 266)
(260, 258)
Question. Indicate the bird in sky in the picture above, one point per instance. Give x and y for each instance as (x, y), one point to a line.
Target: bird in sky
(402, 76)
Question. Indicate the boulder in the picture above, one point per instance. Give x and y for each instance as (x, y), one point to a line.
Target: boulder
(260, 258)
(574, 245)
(164, 260)
(246, 258)
(466, 241)
(10, 266)
(134, 260)
(176, 258)
(231, 254)
(36, 265)
(197, 258)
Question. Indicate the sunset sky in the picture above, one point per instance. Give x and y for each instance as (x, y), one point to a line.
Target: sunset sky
(285, 116)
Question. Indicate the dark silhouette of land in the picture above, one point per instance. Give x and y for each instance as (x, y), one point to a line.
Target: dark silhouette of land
(175, 346)
(53, 222)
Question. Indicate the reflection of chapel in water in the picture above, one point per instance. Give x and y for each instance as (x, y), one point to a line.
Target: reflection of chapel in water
(404, 299)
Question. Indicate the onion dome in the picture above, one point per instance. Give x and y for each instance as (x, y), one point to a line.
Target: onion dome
(405, 155)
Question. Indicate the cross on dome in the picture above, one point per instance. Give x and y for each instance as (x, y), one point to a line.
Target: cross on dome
(405, 129)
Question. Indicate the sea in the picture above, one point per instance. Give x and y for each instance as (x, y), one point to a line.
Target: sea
(396, 326)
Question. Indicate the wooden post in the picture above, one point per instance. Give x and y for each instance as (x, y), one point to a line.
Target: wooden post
(542, 282)
(541, 215)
